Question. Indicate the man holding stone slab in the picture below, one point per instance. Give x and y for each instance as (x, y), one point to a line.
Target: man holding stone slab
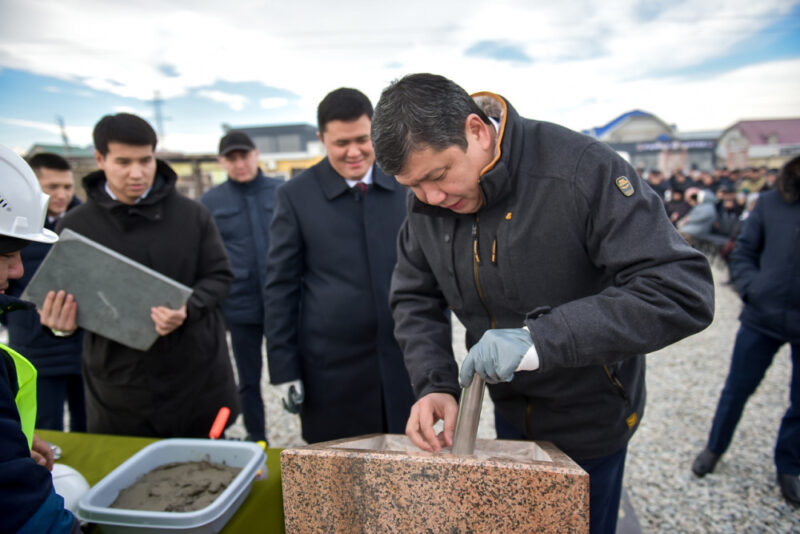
(175, 388)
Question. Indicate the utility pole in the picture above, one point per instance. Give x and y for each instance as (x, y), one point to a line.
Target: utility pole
(64, 138)
(159, 118)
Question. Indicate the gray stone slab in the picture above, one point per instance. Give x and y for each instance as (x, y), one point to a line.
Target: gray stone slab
(113, 292)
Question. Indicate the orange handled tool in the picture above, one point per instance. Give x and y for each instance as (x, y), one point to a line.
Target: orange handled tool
(219, 422)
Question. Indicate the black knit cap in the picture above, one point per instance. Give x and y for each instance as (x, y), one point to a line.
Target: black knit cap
(235, 140)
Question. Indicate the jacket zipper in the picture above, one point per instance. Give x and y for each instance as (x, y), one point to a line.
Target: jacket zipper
(476, 259)
(615, 382)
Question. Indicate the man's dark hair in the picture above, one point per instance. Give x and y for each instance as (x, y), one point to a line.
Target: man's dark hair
(343, 104)
(788, 182)
(124, 128)
(416, 112)
(48, 160)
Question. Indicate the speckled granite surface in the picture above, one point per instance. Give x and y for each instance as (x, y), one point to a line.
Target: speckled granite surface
(383, 483)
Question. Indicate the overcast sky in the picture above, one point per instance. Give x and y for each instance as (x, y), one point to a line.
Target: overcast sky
(701, 65)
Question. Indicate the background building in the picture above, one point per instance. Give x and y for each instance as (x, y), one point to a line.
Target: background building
(756, 143)
(648, 142)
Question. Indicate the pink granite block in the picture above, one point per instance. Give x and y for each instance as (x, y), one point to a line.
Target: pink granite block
(383, 483)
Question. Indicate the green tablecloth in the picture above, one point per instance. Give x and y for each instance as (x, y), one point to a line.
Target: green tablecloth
(96, 455)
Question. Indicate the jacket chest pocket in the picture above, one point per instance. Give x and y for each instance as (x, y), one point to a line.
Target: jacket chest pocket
(440, 257)
(509, 256)
(232, 223)
(541, 266)
(264, 209)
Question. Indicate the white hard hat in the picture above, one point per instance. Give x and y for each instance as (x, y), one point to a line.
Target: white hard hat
(23, 206)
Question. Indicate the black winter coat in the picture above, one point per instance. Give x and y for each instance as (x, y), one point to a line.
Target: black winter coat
(175, 388)
(571, 243)
(24, 485)
(51, 355)
(765, 266)
(327, 313)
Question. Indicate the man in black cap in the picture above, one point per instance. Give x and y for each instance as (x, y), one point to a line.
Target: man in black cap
(242, 208)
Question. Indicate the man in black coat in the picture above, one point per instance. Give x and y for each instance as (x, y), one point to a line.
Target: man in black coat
(764, 266)
(558, 260)
(177, 386)
(332, 250)
(57, 360)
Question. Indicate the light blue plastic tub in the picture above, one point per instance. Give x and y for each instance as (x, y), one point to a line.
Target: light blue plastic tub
(94, 506)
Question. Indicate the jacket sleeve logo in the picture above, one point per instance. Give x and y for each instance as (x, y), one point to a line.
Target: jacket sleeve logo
(625, 186)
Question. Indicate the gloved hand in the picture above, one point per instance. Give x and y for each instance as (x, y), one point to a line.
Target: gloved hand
(496, 356)
(292, 395)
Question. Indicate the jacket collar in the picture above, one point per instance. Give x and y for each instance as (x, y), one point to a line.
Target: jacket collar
(333, 184)
(256, 183)
(9, 304)
(51, 225)
(150, 206)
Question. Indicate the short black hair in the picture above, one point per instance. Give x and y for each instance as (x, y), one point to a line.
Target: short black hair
(10, 244)
(48, 160)
(343, 104)
(124, 128)
(420, 111)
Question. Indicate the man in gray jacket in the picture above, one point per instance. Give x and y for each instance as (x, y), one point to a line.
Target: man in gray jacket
(558, 259)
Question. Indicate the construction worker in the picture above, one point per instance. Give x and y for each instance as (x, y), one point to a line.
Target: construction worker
(28, 502)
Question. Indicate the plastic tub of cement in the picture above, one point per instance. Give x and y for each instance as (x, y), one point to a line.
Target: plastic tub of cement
(95, 505)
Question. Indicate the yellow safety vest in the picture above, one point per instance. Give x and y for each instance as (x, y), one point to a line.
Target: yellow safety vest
(26, 396)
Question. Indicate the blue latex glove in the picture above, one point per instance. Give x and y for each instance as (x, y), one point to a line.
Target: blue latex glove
(292, 395)
(496, 356)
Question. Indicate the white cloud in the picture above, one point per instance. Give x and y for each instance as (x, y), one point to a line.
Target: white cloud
(591, 60)
(273, 102)
(36, 125)
(235, 102)
(78, 135)
(197, 143)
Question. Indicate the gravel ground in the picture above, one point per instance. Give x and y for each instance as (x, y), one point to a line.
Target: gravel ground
(684, 382)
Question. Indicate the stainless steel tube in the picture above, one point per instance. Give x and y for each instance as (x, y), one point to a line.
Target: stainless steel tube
(469, 414)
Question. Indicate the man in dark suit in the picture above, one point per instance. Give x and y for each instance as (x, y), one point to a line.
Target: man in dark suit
(330, 342)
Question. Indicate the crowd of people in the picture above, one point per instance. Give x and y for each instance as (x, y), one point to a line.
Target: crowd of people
(547, 245)
(709, 207)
